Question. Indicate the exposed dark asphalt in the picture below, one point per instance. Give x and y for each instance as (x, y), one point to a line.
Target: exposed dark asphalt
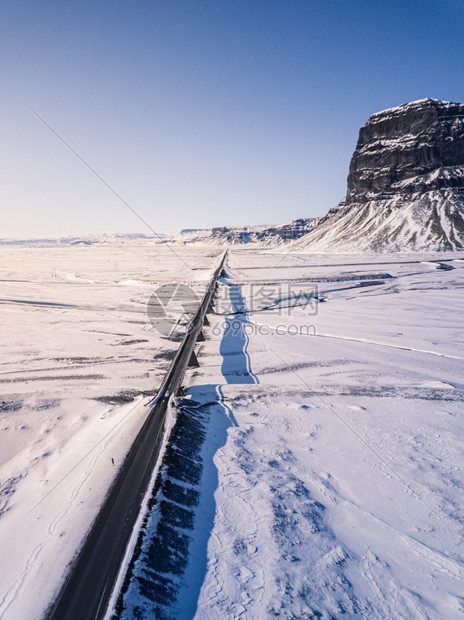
(86, 592)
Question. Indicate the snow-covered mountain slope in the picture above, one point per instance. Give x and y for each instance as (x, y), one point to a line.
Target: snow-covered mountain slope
(424, 221)
(238, 235)
(405, 184)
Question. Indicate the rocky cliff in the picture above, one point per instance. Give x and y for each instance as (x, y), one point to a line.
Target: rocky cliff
(235, 235)
(405, 184)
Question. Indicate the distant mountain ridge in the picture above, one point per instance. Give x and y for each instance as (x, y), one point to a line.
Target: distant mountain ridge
(405, 188)
(229, 235)
(238, 235)
(91, 239)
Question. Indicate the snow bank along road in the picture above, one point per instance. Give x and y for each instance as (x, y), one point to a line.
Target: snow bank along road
(315, 467)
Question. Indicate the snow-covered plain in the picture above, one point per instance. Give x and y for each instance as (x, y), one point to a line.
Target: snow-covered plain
(322, 474)
(79, 359)
(320, 452)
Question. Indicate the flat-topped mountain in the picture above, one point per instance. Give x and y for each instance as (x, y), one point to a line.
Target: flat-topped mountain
(405, 187)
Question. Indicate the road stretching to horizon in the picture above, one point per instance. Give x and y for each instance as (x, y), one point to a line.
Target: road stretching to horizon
(88, 587)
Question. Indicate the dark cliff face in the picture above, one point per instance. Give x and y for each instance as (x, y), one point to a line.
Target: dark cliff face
(412, 148)
(269, 234)
(405, 184)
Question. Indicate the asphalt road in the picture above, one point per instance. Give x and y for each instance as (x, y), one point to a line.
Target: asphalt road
(86, 592)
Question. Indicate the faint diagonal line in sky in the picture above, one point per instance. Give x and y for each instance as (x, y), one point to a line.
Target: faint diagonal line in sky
(118, 196)
(363, 441)
(382, 159)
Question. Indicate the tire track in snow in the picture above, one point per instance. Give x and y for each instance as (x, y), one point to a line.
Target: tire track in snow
(13, 591)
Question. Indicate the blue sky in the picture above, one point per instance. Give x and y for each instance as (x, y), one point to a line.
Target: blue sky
(203, 112)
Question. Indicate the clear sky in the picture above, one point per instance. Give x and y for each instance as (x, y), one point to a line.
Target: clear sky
(203, 112)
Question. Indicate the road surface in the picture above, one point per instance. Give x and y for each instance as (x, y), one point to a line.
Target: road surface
(89, 584)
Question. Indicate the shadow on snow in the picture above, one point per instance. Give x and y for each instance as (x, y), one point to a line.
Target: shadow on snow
(170, 562)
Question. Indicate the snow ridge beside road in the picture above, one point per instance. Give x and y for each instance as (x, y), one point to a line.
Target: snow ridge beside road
(294, 515)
